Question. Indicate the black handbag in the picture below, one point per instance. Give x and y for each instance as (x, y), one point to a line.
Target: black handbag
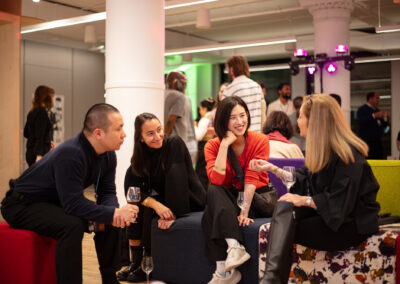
(264, 199)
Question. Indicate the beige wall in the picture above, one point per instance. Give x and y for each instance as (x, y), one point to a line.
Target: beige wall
(9, 99)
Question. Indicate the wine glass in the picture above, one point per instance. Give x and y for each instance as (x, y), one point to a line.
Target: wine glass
(147, 265)
(289, 176)
(241, 202)
(133, 196)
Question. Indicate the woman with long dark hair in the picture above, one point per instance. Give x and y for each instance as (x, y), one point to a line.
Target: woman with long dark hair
(228, 158)
(161, 166)
(332, 206)
(39, 128)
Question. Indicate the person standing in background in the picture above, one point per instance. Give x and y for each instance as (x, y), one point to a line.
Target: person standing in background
(245, 88)
(205, 108)
(371, 125)
(296, 138)
(283, 103)
(39, 128)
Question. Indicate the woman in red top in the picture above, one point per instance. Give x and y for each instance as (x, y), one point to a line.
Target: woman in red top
(222, 217)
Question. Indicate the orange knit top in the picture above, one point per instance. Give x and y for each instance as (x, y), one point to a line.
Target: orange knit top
(257, 147)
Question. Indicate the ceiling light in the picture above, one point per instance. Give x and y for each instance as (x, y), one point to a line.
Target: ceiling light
(36, 1)
(183, 3)
(377, 59)
(331, 68)
(64, 23)
(341, 49)
(311, 69)
(89, 34)
(231, 45)
(203, 19)
(95, 17)
(300, 52)
(387, 29)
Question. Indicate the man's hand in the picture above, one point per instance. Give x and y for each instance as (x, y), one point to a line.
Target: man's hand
(124, 215)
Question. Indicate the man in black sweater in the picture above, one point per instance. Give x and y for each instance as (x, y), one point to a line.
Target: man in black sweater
(48, 197)
(371, 125)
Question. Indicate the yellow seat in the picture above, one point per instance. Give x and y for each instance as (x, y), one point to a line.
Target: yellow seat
(387, 173)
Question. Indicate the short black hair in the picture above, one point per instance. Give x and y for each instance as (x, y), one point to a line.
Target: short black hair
(281, 85)
(223, 115)
(97, 117)
(370, 95)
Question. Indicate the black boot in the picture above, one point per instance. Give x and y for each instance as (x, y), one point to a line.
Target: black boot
(136, 259)
(137, 276)
(280, 245)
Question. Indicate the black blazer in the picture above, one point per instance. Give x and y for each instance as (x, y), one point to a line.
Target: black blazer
(343, 193)
(369, 128)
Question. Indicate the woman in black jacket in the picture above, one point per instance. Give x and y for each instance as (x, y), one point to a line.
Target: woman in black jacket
(39, 128)
(332, 206)
(162, 168)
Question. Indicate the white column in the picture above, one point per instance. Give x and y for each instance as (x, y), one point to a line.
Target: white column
(298, 84)
(395, 113)
(331, 28)
(135, 43)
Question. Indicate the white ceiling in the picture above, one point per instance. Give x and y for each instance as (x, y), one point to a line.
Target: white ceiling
(231, 21)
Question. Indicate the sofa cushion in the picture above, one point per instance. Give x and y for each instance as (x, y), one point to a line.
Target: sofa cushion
(178, 253)
(373, 261)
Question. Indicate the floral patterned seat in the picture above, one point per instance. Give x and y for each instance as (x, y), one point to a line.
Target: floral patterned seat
(373, 261)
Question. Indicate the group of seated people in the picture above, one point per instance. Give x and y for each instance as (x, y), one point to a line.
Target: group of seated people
(331, 206)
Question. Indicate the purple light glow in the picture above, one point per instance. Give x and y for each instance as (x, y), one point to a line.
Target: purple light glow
(331, 68)
(341, 48)
(300, 52)
(311, 70)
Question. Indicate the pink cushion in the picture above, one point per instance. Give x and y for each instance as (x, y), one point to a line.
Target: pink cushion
(26, 257)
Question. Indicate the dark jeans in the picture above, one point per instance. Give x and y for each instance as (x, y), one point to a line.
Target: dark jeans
(50, 220)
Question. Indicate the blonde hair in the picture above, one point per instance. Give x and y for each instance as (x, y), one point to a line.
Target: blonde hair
(328, 133)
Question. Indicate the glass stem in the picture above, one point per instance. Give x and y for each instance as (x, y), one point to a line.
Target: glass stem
(147, 276)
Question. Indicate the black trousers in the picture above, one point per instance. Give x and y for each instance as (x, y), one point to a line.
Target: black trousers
(220, 220)
(50, 220)
(311, 231)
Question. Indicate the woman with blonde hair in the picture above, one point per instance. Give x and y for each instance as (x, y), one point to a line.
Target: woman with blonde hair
(332, 205)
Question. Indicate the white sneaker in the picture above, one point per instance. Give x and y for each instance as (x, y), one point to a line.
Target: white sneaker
(236, 257)
(233, 278)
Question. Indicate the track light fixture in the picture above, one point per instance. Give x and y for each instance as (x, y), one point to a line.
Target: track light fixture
(321, 61)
